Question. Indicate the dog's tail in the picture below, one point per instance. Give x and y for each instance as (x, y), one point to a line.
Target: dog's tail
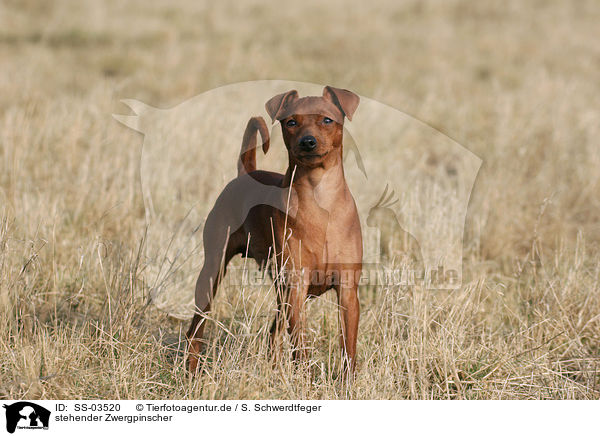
(247, 162)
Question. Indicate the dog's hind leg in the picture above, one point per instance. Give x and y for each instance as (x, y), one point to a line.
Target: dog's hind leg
(218, 253)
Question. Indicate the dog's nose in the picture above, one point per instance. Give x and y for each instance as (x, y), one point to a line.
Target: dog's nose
(308, 143)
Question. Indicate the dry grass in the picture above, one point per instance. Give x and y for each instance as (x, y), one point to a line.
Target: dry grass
(516, 82)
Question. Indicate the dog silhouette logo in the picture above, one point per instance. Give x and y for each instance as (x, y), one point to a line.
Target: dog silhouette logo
(191, 151)
(26, 415)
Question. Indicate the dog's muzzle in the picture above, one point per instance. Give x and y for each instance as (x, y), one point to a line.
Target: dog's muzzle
(307, 143)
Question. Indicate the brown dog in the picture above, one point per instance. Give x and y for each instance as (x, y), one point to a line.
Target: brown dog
(305, 222)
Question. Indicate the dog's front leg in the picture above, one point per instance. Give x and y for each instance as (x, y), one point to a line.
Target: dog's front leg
(349, 316)
(297, 317)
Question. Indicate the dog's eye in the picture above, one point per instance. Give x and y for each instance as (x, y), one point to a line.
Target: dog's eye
(327, 120)
(291, 123)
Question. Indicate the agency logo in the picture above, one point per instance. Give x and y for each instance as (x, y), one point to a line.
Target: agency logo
(26, 415)
(411, 184)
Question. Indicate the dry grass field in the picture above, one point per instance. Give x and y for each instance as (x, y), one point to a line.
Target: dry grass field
(516, 82)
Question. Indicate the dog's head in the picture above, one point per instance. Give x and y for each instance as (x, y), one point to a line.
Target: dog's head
(312, 126)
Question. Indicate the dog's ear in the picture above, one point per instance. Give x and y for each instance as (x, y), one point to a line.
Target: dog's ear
(276, 105)
(346, 100)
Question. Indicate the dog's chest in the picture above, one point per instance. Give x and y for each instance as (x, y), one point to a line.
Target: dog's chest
(326, 234)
